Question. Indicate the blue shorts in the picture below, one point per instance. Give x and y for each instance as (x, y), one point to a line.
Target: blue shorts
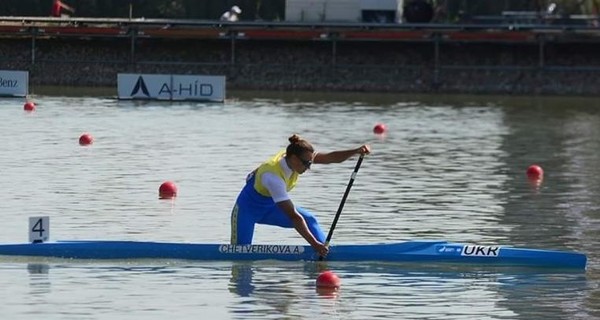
(251, 207)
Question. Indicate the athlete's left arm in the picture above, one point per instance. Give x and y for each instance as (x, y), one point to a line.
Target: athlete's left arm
(341, 155)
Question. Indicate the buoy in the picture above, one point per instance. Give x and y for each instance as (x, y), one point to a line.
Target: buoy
(328, 279)
(86, 139)
(29, 106)
(379, 128)
(535, 172)
(167, 190)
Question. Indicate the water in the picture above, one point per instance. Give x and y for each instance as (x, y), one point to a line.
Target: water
(450, 167)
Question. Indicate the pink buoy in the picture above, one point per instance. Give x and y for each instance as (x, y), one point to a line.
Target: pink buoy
(379, 128)
(167, 190)
(29, 106)
(328, 279)
(86, 139)
(535, 172)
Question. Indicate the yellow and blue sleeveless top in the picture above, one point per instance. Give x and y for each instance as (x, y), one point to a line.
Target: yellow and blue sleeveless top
(272, 165)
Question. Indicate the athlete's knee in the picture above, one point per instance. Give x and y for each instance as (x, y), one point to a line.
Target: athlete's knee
(308, 216)
(311, 220)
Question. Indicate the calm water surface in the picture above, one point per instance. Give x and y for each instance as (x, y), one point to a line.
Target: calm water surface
(449, 168)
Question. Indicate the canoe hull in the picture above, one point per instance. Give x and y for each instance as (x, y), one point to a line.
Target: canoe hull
(410, 251)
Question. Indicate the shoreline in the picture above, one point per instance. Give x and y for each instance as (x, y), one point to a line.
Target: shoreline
(361, 80)
(377, 98)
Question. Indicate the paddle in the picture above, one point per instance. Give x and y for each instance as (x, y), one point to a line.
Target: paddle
(339, 211)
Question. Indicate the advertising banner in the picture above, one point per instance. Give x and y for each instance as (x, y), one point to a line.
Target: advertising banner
(171, 87)
(14, 83)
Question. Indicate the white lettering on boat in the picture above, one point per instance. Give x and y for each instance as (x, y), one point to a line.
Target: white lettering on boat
(261, 248)
(480, 251)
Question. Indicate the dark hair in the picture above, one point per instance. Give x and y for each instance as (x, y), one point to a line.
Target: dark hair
(298, 146)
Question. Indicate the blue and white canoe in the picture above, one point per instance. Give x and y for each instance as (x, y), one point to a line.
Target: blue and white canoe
(409, 251)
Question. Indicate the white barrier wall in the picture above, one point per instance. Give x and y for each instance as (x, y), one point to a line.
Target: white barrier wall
(322, 10)
(14, 83)
(336, 10)
(170, 87)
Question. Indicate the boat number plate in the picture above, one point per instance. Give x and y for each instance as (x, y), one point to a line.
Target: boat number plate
(39, 229)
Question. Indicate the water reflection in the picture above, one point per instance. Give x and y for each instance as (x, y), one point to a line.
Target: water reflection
(287, 290)
(266, 290)
(39, 281)
(428, 291)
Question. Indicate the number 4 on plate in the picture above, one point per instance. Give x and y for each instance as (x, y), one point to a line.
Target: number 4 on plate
(39, 229)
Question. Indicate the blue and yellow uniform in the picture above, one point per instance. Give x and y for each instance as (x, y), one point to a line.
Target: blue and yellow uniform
(255, 205)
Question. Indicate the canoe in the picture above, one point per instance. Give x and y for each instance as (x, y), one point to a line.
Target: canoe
(409, 251)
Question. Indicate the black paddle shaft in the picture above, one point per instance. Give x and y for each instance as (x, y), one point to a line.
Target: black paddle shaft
(339, 211)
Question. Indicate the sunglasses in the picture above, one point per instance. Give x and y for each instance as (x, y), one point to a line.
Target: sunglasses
(305, 163)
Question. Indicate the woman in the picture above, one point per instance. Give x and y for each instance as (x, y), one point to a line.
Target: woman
(264, 199)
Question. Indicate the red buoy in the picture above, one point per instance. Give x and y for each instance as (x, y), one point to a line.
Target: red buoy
(535, 172)
(328, 279)
(379, 128)
(167, 190)
(29, 106)
(86, 139)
